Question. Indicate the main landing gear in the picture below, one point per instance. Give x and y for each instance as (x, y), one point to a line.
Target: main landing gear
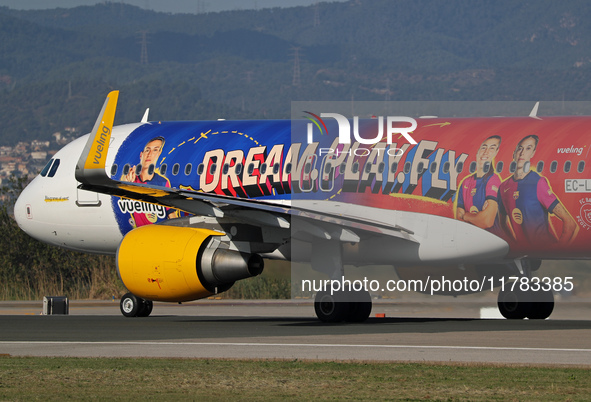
(534, 303)
(342, 306)
(516, 304)
(133, 306)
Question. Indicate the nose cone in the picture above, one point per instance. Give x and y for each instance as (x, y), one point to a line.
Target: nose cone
(23, 211)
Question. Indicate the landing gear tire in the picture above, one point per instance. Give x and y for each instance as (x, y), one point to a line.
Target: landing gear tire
(542, 305)
(129, 305)
(513, 305)
(360, 307)
(331, 308)
(133, 306)
(146, 308)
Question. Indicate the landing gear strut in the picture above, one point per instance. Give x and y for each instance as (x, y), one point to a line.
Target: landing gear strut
(133, 306)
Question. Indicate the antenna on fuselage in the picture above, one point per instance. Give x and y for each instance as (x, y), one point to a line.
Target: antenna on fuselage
(146, 113)
(534, 111)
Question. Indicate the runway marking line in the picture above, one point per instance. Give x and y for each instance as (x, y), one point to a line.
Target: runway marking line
(299, 345)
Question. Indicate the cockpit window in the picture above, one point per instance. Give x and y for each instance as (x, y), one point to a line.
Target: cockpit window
(53, 170)
(46, 168)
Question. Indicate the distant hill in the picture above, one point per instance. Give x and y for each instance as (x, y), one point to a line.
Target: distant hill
(436, 34)
(57, 65)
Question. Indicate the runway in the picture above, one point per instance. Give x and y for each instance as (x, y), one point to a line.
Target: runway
(289, 330)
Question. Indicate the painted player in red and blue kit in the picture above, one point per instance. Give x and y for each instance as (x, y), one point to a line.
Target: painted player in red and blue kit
(478, 196)
(526, 200)
(148, 174)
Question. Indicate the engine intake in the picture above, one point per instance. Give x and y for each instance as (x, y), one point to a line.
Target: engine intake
(168, 263)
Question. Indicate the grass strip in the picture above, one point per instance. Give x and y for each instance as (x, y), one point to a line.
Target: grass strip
(32, 378)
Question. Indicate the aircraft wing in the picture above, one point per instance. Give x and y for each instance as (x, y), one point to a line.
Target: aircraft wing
(90, 172)
(431, 238)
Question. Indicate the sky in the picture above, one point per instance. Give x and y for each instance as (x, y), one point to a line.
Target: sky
(171, 6)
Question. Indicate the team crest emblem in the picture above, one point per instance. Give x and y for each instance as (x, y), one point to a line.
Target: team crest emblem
(585, 216)
(473, 192)
(516, 195)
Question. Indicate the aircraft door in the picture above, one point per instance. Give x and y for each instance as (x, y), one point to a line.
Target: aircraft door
(87, 199)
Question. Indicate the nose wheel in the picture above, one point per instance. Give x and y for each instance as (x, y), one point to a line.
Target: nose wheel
(133, 306)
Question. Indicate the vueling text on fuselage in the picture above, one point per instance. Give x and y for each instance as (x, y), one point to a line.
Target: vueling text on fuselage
(422, 169)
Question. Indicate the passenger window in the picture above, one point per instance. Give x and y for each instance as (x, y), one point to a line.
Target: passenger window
(567, 166)
(500, 166)
(433, 167)
(114, 169)
(581, 167)
(263, 168)
(163, 168)
(472, 167)
(53, 169)
(250, 169)
(151, 169)
(394, 167)
(356, 167)
(407, 167)
(288, 168)
(175, 169)
(526, 167)
(46, 168)
(512, 167)
(486, 167)
(188, 169)
(460, 167)
(213, 168)
(138, 170)
(200, 169)
(276, 168)
(225, 169)
(553, 167)
(420, 167)
(367, 167)
(239, 168)
(540, 167)
(126, 169)
(446, 168)
(381, 167)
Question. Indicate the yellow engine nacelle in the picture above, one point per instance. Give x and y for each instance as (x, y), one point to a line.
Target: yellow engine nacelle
(176, 264)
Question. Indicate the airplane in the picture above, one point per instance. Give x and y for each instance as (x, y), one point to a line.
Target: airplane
(189, 208)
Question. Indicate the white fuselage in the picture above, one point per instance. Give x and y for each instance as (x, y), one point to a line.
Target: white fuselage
(55, 211)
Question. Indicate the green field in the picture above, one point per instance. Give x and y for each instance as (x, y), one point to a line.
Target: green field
(190, 379)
